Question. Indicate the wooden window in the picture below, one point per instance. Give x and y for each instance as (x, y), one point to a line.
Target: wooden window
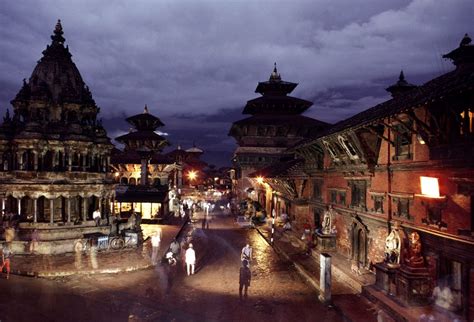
(333, 196)
(358, 193)
(403, 142)
(403, 207)
(342, 198)
(378, 203)
(317, 189)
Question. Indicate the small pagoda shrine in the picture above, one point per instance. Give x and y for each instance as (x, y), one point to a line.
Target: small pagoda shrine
(54, 157)
(145, 175)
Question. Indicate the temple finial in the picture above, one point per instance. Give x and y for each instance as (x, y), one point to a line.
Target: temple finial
(275, 77)
(58, 33)
(402, 76)
(466, 40)
(145, 111)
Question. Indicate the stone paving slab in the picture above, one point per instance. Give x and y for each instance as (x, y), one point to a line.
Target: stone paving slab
(344, 297)
(82, 263)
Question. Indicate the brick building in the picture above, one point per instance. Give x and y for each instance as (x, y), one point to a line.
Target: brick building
(372, 168)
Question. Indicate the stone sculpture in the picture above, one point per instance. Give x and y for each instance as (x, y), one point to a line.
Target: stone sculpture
(392, 248)
(413, 257)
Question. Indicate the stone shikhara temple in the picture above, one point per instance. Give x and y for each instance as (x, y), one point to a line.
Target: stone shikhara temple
(398, 180)
(54, 155)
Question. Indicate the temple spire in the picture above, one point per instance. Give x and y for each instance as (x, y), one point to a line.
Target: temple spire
(275, 77)
(401, 78)
(400, 87)
(145, 110)
(58, 33)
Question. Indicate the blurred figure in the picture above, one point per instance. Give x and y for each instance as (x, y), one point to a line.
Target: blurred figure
(6, 255)
(244, 278)
(190, 260)
(155, 243)
(93, 256)
(170, 270)
(246, 254)
(34, 241)
(174, 247)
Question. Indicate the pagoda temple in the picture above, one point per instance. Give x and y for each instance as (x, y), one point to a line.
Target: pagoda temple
(275, 125)
(54, 155)
(146, 177)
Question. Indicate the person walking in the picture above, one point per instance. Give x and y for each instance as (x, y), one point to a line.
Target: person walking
(246, 254)
(174, 247)
(6, 255)
(171, 271)
(155, 244)
(244, 278)
(190, 259)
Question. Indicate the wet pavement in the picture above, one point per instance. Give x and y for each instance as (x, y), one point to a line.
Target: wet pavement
(277, 291)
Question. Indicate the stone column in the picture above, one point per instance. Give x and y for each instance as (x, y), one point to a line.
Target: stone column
(35, 210)
(69, 210)
(35, 160)
(83, 163)
(84, 209)
(19, 205)
(69, 161)
(19, 156)
(325, 277)
(51, 211)
(100, 207)
(3, 204)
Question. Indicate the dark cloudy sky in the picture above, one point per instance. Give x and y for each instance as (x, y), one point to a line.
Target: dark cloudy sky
(196, 63)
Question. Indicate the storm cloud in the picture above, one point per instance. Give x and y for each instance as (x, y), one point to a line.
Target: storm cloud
(196, 63)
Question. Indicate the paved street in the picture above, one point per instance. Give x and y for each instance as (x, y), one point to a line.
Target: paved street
(277, 293)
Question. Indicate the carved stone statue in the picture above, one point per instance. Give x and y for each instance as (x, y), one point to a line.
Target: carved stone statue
(328, 221)
(413, 256)
(393, 248)
(130, 224)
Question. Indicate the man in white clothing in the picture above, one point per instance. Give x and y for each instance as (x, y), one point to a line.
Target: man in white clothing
(190, 258)
(246, 253)
(155, 244)
(96, 216)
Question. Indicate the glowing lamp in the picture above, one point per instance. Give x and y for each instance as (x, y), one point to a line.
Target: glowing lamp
(260, 180)
(116, 174)
(192, 175)
(430, 187)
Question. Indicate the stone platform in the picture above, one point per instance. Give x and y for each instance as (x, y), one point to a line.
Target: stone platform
(93, 263)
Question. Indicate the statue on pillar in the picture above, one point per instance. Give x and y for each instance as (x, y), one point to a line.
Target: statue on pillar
(393, 247)
(328, 218)
(413, 257)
